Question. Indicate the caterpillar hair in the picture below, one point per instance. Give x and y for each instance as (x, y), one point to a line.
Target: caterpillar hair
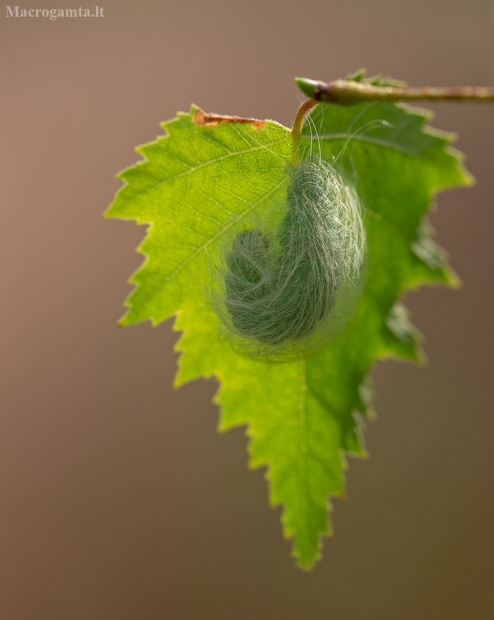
(287, 290)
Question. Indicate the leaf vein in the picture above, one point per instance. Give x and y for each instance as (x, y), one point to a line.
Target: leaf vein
(208, 163)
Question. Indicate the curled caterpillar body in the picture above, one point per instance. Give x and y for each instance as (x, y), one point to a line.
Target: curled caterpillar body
(288, 290)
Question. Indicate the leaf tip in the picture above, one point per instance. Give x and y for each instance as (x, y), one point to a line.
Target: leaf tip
(308, 563)
(453, 279)
(424, 359)
(125, 321)
(470, 180)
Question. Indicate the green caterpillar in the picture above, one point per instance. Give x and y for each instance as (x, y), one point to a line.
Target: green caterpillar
(288, 290)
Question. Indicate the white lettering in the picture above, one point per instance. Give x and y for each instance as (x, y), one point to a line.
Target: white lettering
(16, 11)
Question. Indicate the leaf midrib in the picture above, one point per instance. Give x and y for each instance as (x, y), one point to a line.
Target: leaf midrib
(302, 460)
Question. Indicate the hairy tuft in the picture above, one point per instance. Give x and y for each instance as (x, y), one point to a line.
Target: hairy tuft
(288, 291)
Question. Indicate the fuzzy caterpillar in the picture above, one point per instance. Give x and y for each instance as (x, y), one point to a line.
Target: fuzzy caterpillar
(289, 290)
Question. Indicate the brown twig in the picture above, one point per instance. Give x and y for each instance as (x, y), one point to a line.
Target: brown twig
(348, 92)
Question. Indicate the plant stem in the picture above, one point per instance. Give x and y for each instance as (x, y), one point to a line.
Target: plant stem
(347, 92)
(298, 123)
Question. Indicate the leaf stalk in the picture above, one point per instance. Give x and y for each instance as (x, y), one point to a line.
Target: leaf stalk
(298, 123)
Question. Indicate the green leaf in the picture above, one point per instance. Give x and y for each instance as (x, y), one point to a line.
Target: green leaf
(197, 184)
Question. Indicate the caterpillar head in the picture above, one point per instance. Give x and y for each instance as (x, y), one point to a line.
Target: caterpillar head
(288, 289)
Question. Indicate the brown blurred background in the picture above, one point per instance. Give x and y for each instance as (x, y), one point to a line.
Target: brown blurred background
(118, 499)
